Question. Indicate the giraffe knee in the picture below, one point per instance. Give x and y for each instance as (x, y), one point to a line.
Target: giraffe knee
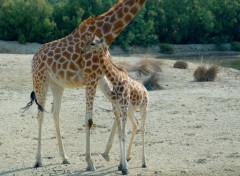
(90, 123)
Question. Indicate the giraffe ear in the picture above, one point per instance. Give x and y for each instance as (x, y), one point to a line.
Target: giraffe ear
(83, 51)
(103, 40)
(87, 37)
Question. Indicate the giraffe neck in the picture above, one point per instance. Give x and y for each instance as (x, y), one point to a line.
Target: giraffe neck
(110, 24)
(111, 71)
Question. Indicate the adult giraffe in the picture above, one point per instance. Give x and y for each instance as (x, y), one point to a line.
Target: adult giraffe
(59, 65)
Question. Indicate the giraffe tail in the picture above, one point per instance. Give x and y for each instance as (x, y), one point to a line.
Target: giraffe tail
(33, 98)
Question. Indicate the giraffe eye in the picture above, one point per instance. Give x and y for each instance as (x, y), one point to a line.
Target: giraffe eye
(93, 43)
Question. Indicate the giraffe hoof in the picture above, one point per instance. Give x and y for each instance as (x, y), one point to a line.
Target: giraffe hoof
(128, 159)
(91, 168)
(144, 165)
(125, 171)
(106, 157)
(120, 167)
(38, 164)
(65, 161)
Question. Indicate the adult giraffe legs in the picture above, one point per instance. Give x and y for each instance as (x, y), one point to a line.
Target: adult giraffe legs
(40, 117)
(90, 94)
(143, 112)
(57, 92)
(41, 93)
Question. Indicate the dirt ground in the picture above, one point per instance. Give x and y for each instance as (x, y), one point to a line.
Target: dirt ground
(193, 128)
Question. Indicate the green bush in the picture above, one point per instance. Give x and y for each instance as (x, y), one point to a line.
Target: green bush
(235, 46)
(219, 47)
(166, 48)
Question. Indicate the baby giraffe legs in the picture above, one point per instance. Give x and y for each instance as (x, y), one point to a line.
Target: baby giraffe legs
(122, 135)
(132, 119)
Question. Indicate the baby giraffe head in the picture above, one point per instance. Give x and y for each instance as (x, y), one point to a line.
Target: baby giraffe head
(95, 45)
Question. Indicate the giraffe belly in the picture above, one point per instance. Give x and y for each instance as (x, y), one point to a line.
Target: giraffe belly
(71, 82)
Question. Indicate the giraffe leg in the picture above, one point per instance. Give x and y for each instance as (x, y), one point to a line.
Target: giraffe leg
(40, 118)
(131, 117)
(90, 93)
(105, 154)
(41, 92)
(143, 111)
(119, 127)
(123, 140)
(57, 92)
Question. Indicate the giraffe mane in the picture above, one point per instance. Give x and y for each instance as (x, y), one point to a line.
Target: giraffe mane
(119, 68)
(83, 23)
(111, 9)
(87, 21)
(122, 70)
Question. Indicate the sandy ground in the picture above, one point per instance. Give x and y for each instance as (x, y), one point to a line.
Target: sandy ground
(192, 128)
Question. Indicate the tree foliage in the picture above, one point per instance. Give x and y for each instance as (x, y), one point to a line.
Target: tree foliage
(160, 21)
(26, 20)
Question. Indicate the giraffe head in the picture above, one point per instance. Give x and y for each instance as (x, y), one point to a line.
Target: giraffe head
(95, 45)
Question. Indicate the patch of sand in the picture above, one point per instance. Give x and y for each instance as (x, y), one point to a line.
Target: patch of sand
(192, 128)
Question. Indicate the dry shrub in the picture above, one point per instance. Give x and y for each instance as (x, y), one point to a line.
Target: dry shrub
(152, 83)
(155, 63)
(144, 68)
(199, 73)
(125, 64)
(202, 73)
(147, 66)
(181, 65)
(211, 73)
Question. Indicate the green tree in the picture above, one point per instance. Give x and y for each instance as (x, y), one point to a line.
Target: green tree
(185, 21)
(139, 32)
(200, 22)
(67, 15)
(26, 21)
(227, 20)
(160, 21)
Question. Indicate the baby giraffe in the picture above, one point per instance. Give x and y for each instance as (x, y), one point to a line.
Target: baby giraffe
(126, 96)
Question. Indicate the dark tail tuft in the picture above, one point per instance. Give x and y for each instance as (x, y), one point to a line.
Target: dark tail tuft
(33, 98)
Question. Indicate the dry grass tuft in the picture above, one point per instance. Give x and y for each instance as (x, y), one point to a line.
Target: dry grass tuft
(211, 73)
(202, 73)
(199, 73)
(155, 63)
(125, 64)
(144, 68)
(181, 65)
(152, 83)
(147, 66)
